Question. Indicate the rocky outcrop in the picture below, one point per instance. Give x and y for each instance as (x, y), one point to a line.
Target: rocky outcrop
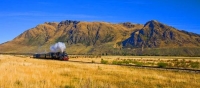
(155, 34)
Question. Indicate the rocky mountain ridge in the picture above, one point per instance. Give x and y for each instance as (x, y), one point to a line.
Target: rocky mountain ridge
(102, 37)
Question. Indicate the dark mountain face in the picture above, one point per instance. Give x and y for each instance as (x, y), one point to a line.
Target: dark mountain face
(94, 33)
(90, 35)
(155, 34)
(101, 37)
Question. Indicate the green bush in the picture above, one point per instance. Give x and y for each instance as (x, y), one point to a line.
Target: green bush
(138, 63)
(195, 64)
(115, 62)
(126, 61)
(104, 61)
(162, 64)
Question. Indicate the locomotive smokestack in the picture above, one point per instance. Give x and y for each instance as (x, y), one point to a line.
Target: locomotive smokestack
(58, 47)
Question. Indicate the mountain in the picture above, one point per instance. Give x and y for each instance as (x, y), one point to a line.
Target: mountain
(153, 38)
(156, 35)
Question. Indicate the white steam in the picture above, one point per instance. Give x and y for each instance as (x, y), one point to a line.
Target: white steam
(58, 47)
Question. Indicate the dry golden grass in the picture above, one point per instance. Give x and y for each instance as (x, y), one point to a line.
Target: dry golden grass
(25, 72)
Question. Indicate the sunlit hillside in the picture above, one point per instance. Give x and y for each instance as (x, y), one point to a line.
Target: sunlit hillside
(152, 38)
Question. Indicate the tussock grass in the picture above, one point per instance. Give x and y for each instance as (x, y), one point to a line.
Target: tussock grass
(17, 72)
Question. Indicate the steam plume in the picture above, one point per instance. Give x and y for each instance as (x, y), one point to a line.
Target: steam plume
(58, 47)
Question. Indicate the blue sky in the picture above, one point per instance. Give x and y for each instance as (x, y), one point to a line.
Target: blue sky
(17, 16)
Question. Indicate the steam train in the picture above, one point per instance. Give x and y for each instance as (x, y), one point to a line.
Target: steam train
(52, 55)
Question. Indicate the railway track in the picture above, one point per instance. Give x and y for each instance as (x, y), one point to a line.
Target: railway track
(136, 66)
(149, 67)
(169, 69)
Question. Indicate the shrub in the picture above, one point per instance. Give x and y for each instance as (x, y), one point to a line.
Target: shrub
(126, 61)
(195, 64)
(138, 63)
(115, 62)
(104, 61)
(162, 64)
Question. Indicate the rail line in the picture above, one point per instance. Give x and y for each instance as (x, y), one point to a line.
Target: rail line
(148, 67)
(136, 66)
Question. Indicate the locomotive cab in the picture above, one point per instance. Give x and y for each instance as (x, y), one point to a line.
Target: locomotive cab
(65, 56)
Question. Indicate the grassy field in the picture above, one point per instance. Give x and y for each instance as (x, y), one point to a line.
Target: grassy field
(150, 61)
(26, 72)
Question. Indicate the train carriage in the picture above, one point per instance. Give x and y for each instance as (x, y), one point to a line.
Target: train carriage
(52, 55)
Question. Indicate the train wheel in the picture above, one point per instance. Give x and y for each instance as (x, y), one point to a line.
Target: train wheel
(60, 58)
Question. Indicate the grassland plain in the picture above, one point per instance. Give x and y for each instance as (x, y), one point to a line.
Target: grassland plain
(26, 72)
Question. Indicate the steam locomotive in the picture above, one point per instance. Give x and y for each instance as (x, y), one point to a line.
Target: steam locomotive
(52, 55)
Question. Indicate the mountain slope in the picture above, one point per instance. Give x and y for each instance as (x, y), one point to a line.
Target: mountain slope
(73, 33)
(155, 34)
(153, 38)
